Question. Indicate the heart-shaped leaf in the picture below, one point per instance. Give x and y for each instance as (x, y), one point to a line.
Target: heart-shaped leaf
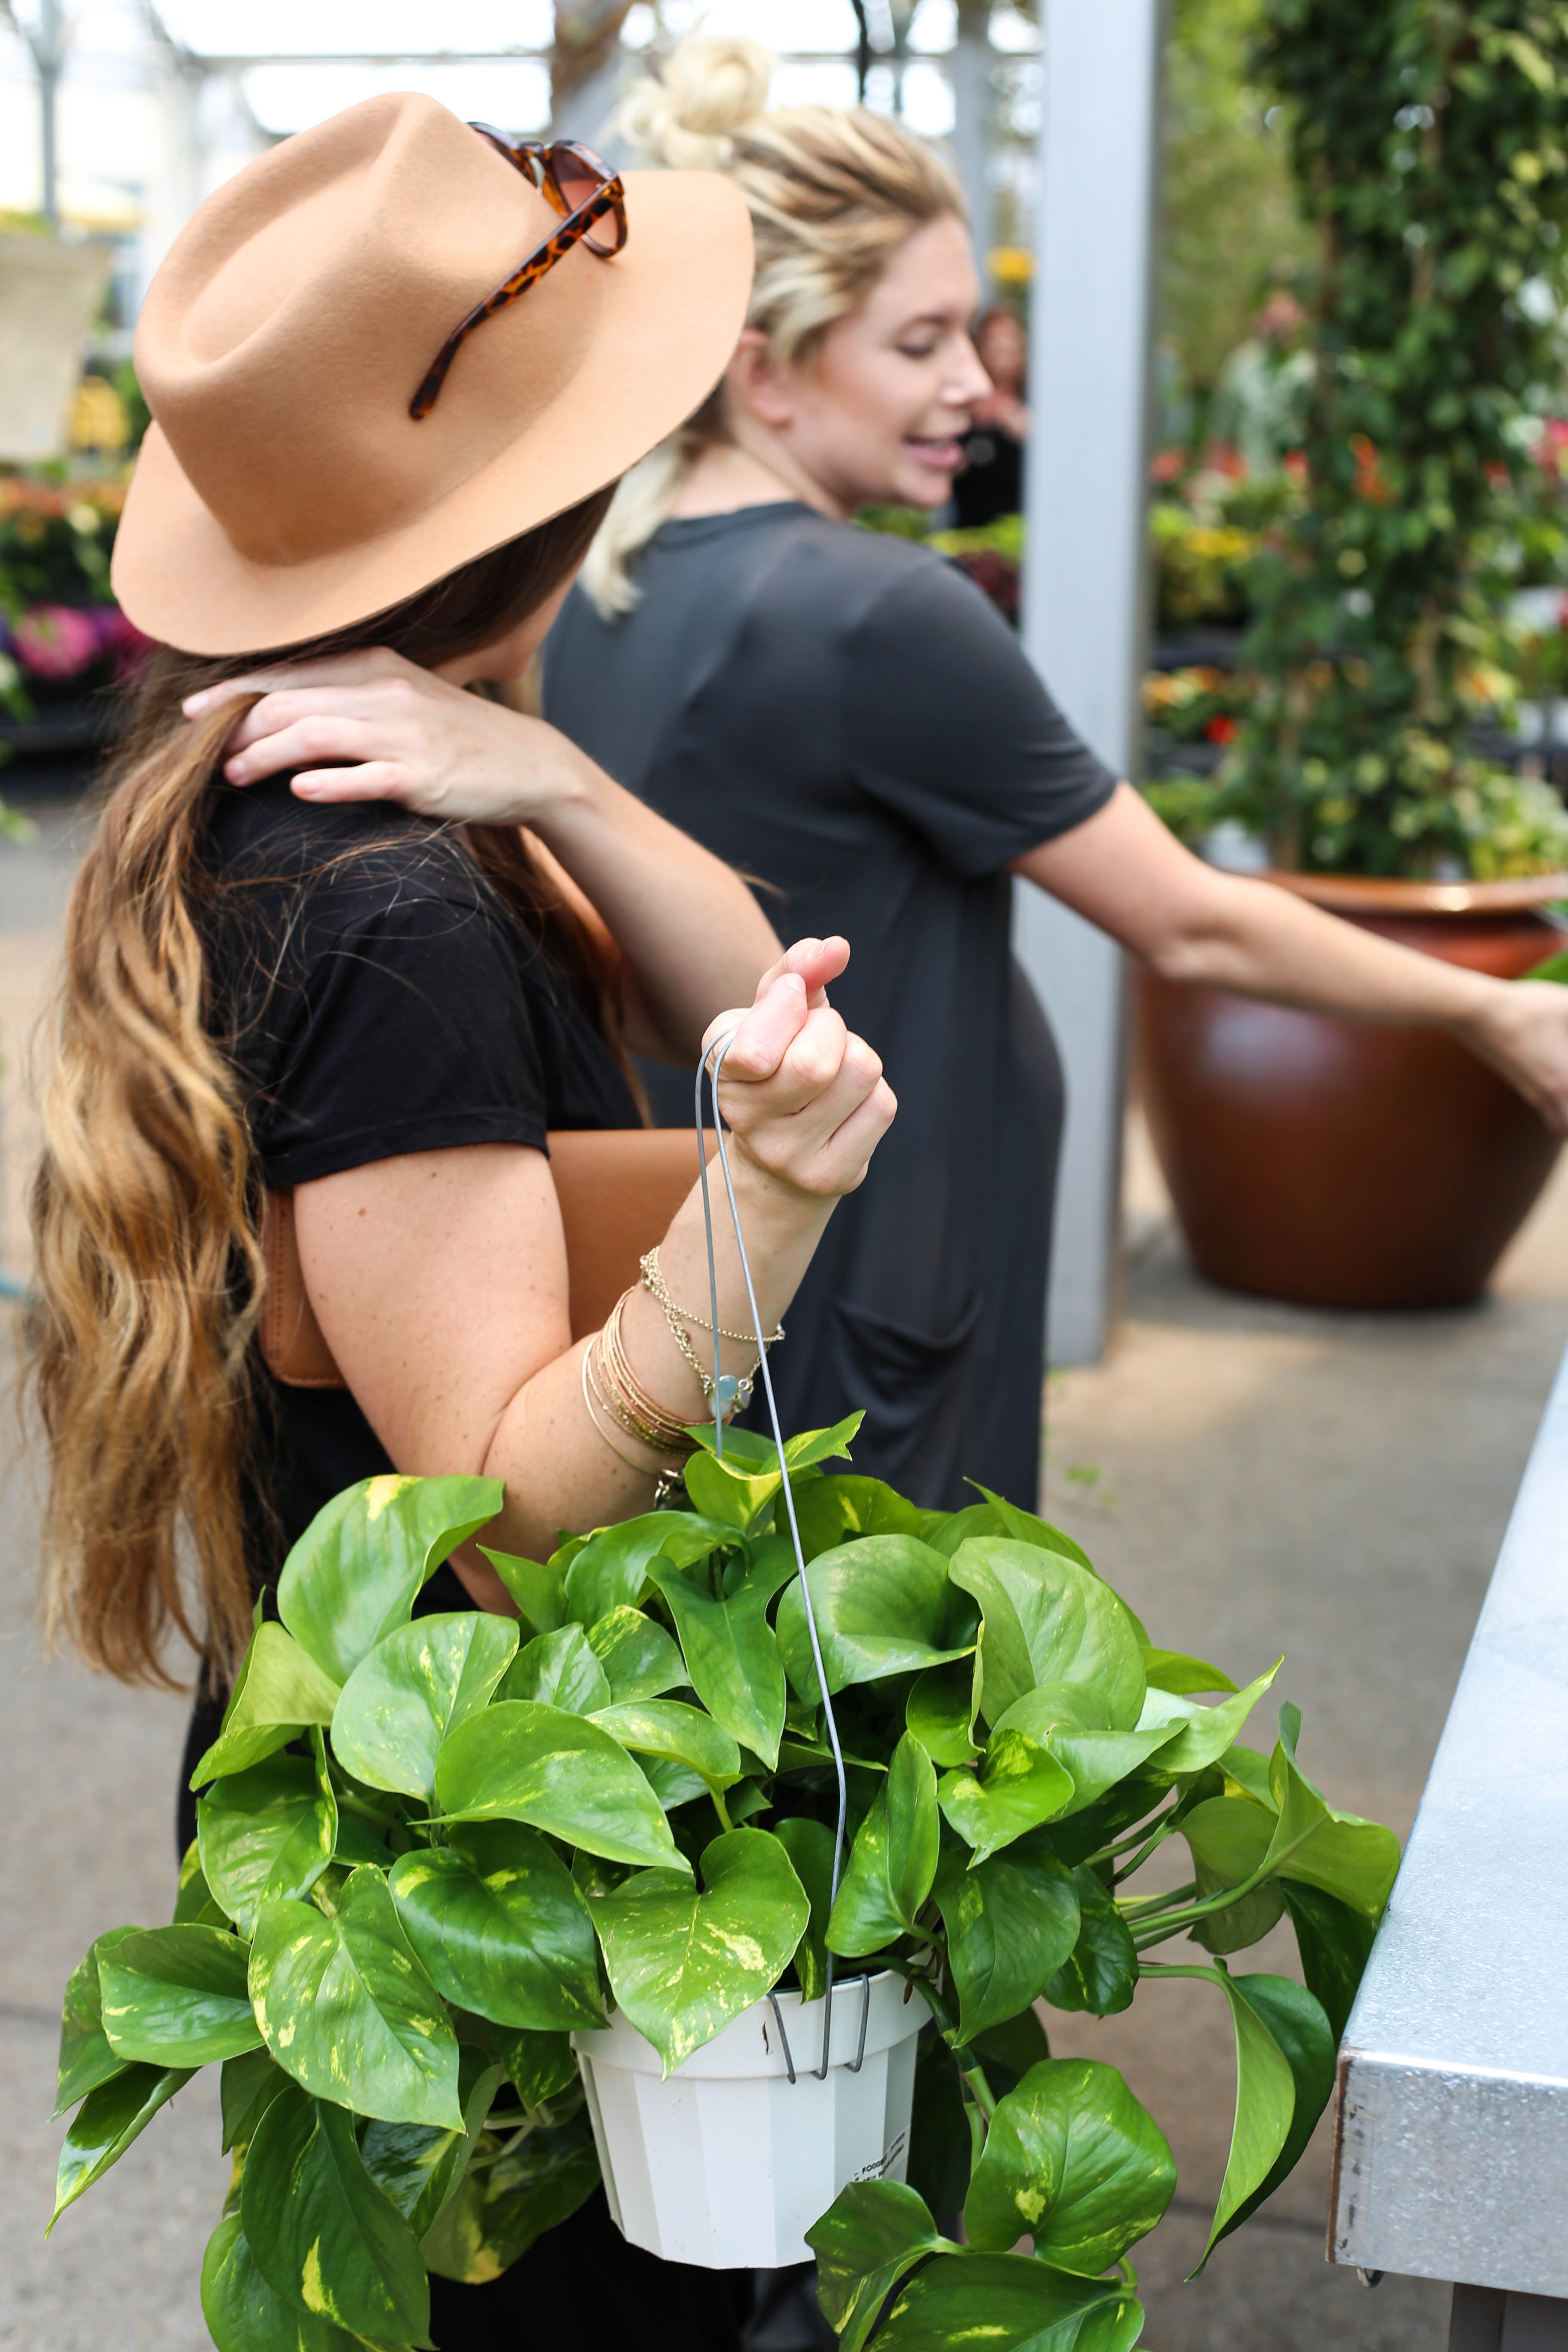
(106, 2123)
(1335, 1944)
(1018, 1787)
(873, 2232)
(611, 1572)
(1173, 1670)
(512, 2194)
(560, 1773)
(1229, 1838)
(346, 2009)
(248, 2086)
(355, 1571)
(638, 1658)
(1100, 1973)
(1264, 2102)
(419, 2166)
(1353, 1860)
(1298, 2026)
(893, 1859)
(279, 1692)
(495, 1918)
(1063, 1721)
(244, 2315)
(321, 2232)
(1048, 1621)
(809, 1845)
(1007, 2302)
(684, 1735)
(1074, 2162)
(177, 1992)
(86, 2059)
(683, 1963)
(539, 2066)
(829, 1511)
(538, 1587)
(558, 1669)
(883, 1606)
(268, 1830)
(1011, 1924)
(417, 1685)
(1205, 1732)
(940, 1711)
(731, 1656)
(739, 1487)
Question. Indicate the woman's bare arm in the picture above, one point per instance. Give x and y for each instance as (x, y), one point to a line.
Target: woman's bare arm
(1123, 871)
(691, 934)
(439, 1278)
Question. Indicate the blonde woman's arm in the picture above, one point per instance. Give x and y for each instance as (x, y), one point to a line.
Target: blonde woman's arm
(374, 727)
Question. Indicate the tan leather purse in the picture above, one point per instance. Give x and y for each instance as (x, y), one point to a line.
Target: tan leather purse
(618, 1189)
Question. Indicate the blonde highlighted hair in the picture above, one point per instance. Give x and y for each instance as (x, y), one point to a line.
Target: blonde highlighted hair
(147, 1201)
(833, 191)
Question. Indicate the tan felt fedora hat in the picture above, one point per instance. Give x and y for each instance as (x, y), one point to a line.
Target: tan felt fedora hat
(284, 489)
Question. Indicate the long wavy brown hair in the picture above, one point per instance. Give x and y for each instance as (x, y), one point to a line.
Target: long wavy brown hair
(146, 1205)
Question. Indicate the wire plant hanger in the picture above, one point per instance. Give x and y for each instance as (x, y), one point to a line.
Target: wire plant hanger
(724, 1392)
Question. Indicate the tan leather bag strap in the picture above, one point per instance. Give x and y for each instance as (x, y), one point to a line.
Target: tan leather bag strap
(618, 1189)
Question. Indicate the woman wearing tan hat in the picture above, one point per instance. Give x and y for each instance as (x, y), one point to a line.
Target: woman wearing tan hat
(842, 714)
(395, 365)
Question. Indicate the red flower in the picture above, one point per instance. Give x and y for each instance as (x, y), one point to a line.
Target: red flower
(1221, 729)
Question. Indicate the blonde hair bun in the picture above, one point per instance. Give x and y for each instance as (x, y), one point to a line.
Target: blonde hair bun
(688, 116)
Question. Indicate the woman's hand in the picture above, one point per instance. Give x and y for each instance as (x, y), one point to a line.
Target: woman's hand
(806, 1098)
(1521, 1028)
(372, 727)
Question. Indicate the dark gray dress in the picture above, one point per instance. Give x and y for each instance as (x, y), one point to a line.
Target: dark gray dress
(846, 718)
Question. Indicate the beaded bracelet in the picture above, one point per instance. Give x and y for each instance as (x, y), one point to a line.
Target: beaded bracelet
(734, 1390)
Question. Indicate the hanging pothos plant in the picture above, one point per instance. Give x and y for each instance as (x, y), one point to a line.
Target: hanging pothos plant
(430, 1847)
(1429, 143)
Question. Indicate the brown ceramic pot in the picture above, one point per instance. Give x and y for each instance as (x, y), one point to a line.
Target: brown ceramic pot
(1340, 1165)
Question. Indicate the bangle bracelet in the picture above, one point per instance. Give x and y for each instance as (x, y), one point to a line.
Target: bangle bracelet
(602, 1431)
(733, 1390)
(623, 1395)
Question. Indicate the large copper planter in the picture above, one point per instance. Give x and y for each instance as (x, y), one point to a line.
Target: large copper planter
(1340, 1165)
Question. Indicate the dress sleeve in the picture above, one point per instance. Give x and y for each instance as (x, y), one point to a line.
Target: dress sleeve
(401, 1026)
(947, 723)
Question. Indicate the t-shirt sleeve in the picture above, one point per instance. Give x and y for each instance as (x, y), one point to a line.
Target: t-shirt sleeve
(948, 724)
(403, 1028)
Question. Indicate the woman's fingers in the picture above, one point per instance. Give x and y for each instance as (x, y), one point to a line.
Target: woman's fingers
(307, 743)
(333, 670)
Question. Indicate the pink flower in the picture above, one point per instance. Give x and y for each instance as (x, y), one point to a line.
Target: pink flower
(119, 638)
(56, 641)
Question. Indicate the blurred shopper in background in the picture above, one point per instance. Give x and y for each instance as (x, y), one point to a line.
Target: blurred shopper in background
(992, 482)
(842, 716)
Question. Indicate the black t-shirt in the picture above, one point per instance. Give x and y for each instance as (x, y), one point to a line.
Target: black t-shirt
(376, 998)
(992, 482)
(845, 717)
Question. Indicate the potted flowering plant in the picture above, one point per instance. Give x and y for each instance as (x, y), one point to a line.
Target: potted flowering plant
(1317, 1160)
(453, 1873)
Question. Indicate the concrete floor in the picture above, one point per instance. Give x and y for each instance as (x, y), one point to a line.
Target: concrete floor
(1255, 1479)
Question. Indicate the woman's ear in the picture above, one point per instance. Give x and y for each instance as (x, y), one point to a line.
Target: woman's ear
(757, 385)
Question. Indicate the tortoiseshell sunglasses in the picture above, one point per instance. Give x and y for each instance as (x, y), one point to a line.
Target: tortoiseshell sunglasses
(584, 190)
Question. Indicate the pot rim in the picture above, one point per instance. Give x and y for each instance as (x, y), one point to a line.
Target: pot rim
(1365, 894)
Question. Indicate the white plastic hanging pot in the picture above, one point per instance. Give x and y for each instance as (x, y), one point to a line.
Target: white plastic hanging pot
(728, 2161)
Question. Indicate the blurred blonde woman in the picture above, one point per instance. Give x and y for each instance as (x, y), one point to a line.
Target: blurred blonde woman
(843, 716)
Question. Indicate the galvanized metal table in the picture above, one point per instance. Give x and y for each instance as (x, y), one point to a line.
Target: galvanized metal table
(1451, 2157)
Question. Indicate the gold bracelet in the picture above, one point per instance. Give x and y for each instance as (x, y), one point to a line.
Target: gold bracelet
(640, 1469)
(624, 1396)
(734, 1390)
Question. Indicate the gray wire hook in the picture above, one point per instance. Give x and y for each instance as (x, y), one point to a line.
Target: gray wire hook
(711, 1063)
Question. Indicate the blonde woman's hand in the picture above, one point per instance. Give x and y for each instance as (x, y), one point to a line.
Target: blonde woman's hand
(374, 727)
(806, 1098)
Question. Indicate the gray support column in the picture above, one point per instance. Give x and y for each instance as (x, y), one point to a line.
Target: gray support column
(1084, 591)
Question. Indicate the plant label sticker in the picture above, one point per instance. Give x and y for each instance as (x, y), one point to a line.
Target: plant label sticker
(880, 2168)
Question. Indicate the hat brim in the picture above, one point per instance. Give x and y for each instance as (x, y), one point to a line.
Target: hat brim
(674, 305)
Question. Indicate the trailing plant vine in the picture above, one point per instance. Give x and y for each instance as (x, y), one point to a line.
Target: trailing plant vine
(1429, 143)
(431, 1848)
